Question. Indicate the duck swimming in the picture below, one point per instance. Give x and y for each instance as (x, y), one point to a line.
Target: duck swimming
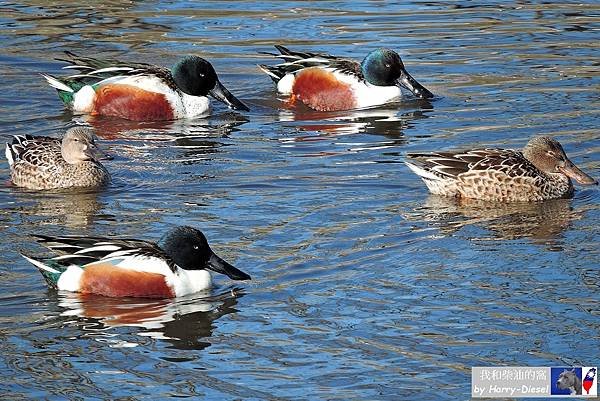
(139, 91)
(177, 265)
(540, 171)
(328, 83)
(41, 162)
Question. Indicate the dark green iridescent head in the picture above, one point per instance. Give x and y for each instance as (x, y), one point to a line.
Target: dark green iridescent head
(383, 67)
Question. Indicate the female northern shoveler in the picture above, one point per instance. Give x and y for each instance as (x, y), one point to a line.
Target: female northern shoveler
(41, 162)
(178, 265)
(541, 171)
(329, 83)
(141, 92)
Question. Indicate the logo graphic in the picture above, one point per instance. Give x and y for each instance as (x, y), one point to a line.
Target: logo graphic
(589, 383)
(565, 381)
(526, 381)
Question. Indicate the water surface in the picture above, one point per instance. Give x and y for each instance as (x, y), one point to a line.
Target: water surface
(364, 286)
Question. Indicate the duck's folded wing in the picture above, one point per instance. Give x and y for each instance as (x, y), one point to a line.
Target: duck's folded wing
(295, 60)
(452, 164)
(445, 164)
(120, 252)
(93, 71)
(510, 162)
(348, 67)
(292, 55)
(83, 63)
(35, 150)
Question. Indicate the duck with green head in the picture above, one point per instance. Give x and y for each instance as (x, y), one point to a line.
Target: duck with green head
(142, 92)
(328, 83)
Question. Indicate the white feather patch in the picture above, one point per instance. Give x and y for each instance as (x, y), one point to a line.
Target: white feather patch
(83, 100)
(77, 67)
(368, 95)
(286, 84)
(9, 156)
(189, 281)
(121, 253)
(40, 265)
(111, 69)
(70, 280)
(436, 185)
(55, 83)
(98, 248)
(64, 257)
(421, 172)
(195, 106)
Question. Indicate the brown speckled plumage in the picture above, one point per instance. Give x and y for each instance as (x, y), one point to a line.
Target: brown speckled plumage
(49, 163)
(541, 171)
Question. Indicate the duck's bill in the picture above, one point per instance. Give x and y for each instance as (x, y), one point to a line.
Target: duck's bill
(218, 265)
(412, 85)
(98, 154)
(221, 93)
(572, 171)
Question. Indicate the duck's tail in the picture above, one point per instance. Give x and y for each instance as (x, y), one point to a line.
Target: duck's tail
(15, 149)
(293, 61)
(272, 71)
(65, 92)
(57, 84)
(436, 184)
(422, 172)
(50, 274)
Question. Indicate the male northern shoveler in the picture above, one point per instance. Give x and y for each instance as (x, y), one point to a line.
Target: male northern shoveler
(142, 92)
(541, 171)
(329, 83)
(41, 162)
(178, 265)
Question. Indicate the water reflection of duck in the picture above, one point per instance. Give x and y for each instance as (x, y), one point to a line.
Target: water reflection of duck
(115, 128)
(186, 322)
(139, 91)
(177, 265)
(542, 222)
(541, 171)
(72, 208)
(329, 83)
(385, 122)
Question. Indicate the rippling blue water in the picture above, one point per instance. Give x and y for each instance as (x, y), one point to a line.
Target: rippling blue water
(364, 286)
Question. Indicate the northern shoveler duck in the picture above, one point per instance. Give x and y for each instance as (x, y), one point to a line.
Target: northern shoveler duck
(328, 83)
(142, 92)
(177, 265)
(41, 162)
(541, 171)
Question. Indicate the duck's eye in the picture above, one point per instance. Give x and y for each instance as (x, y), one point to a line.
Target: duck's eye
(388, 66)
(196, 247)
